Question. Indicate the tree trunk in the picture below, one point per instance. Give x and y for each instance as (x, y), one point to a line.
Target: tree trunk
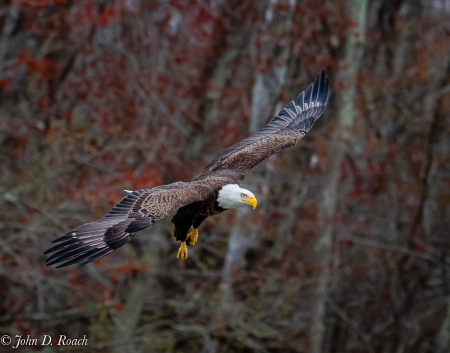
(270, 80)
(322, 252)
(413, 9)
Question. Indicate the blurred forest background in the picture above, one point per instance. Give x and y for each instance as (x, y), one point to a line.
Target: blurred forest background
(348, 249)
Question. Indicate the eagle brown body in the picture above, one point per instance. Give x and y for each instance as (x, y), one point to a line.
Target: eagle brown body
(193, 214)
(192, 202)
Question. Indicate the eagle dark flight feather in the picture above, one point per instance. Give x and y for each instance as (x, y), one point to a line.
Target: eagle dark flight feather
(142, 208)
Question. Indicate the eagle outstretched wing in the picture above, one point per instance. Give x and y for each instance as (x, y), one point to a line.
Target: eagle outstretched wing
(283, 131)
(138, 210)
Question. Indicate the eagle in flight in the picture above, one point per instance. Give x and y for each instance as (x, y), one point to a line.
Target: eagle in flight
(213, 191)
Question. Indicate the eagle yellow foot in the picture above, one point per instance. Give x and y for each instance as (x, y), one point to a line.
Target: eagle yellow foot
(192, 237)
(182, 251)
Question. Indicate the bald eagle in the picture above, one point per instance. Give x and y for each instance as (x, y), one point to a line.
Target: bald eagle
(213, 191)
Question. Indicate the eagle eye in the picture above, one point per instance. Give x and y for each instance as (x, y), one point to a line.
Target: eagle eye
(242, 195)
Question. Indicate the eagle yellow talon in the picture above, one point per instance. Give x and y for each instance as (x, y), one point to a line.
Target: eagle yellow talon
(192, 237)
(182, 251)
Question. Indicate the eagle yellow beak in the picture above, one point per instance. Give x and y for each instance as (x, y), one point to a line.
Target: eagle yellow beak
(252, 201)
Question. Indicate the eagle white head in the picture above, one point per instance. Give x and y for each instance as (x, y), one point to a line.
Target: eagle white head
(233, 196)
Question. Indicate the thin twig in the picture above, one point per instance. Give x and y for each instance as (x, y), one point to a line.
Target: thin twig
(343, 315)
